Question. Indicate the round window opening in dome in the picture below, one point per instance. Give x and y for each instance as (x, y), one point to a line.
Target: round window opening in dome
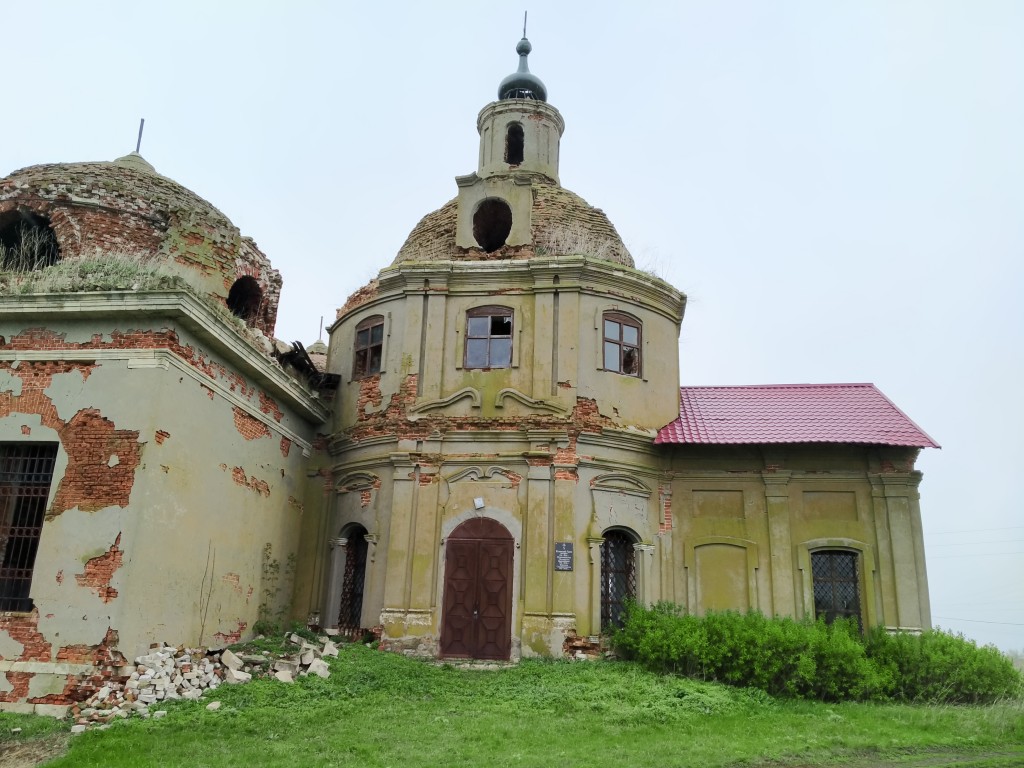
(492, 223)
(245, 298)
(27, 242)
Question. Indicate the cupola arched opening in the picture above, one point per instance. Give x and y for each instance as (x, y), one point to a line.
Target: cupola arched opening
(245, 299)
(27, 242)
(514, 144)
(492, 223)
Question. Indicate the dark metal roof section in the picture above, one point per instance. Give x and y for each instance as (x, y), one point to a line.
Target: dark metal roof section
(523, 84)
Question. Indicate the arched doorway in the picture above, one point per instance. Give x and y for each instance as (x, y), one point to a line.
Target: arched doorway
(350, 611)
(476, 621)
(618, 576)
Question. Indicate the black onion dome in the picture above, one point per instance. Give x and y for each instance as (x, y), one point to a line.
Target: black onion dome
(523, 84)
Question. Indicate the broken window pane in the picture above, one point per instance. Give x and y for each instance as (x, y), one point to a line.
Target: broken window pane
(489, 338)
(369, 347)
(621, 343)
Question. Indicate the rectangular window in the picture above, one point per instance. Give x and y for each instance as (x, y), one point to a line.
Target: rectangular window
(836, 585)
(621, 344)
(489, 338)
(26, 471)
(369, 347)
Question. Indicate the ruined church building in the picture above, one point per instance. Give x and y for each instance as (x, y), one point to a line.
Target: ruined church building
(489, 458)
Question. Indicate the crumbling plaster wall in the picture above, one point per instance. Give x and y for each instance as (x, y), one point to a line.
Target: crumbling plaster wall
(156, 525)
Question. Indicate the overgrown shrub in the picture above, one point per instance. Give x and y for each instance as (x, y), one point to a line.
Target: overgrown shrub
(831, 662)
(939, 667)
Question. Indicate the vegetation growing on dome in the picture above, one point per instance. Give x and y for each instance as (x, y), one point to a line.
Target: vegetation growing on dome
(27, 243)
(574, 239)
(97, 272)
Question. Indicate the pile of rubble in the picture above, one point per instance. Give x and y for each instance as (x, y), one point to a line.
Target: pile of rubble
(167, 673)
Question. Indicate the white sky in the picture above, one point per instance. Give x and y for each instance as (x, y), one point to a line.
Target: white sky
(838, 187)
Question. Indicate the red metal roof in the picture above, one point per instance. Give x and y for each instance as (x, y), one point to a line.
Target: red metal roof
(791, 413)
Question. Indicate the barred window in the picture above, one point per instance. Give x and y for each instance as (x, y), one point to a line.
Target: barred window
(26, 471)
(369, 347)
(351, 611)
(618, 577)
(621, 343)
(836, 585)
(489, 337)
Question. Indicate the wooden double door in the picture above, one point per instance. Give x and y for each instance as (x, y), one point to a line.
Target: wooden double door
(477, 615)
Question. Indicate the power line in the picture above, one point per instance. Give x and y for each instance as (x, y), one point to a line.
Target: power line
(977, 530)
(973, 543)
(979, 621)
(975, 554)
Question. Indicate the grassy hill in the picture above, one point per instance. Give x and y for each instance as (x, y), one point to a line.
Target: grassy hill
(381, 709)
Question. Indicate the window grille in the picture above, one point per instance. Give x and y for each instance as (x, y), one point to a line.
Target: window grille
(836, 585)
(350, 615)
(26, 471)
(618, 577)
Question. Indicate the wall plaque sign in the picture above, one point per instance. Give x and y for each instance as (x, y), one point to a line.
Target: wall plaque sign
(563, 555)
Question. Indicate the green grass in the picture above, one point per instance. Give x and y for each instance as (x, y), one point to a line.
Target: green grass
(380, 709)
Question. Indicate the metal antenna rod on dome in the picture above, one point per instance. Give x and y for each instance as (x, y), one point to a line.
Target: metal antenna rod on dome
(142, 122)
(524, 23)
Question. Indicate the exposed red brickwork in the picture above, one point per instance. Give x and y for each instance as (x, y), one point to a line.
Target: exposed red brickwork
(248, 426)
(161, 436)
(44, 339)
(234, 636)
(270, 407)
(252, 483)
(26, 429)
(286, 446)
(666, 507)
(36, 378)
(360, 297)
(24, 629)
(99, 570)
(118, 208)
(101, 463)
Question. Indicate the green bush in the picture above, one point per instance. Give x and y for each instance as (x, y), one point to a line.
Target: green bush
(830, 662)
(939, 667)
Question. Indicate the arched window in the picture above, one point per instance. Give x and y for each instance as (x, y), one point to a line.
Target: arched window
(369, 347)
(622, 335)
(492, 223)
(514, 144)
(618, 576)
(489, 337)
(26, 471)
(350, 613)
(835, 574)
(245, 299)
(27, 242)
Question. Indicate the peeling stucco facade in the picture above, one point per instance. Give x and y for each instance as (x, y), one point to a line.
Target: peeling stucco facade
(473, 452)
(170, 421)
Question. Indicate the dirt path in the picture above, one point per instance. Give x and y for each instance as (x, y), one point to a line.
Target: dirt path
(28, 754)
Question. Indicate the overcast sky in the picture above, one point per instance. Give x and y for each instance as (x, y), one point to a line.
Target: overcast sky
(838, 187)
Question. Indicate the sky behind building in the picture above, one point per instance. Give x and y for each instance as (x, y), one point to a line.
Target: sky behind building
(836, 186)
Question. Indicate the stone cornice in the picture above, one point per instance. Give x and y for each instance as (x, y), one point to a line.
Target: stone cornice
(140, 307)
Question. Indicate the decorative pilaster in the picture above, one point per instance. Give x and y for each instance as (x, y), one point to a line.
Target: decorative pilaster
(780, 542)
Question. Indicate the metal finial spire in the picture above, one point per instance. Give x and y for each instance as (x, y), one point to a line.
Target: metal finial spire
(138, 144)
(523, 84)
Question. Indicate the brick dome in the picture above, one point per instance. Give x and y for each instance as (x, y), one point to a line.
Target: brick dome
(562, 224)
(125, 207)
